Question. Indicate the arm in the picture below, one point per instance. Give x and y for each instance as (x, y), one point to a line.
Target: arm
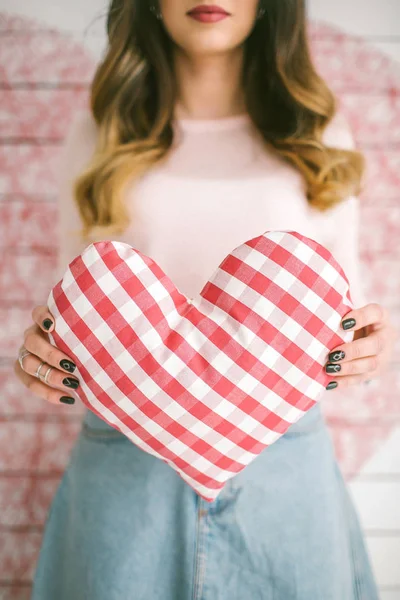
(345, 246)
(77, 150)
(369, 354)
(345, 219)
(79, 145)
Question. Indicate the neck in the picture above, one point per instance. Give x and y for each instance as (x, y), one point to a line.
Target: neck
(209, 87)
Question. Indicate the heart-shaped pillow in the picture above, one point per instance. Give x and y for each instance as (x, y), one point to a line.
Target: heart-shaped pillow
(204, 384)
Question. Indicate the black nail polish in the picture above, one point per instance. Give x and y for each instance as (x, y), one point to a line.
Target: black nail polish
(67, 365)
(334, 356)
(47, 323)
(348, 323)
(331, 368)
(331, 385)
(67, 400)
(72, 383)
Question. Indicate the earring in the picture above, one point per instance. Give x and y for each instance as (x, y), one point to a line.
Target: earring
(155, 11)
(261, 13)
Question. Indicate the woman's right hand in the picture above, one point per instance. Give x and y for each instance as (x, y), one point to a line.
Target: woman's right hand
(36, 341)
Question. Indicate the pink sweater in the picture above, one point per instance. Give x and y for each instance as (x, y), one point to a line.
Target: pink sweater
(219, 188)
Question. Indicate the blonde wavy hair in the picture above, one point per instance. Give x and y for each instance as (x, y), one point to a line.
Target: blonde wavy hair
(132, 97)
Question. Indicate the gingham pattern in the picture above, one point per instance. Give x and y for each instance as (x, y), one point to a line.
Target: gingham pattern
(205, 385)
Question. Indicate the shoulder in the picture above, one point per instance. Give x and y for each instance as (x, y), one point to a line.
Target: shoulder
(79, 142)
(82, 120)
(82, 128)
(338, 133)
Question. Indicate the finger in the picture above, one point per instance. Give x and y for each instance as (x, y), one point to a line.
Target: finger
(353, 367)
(55, 378)
(31, 329)
(38, 388)
(348, 381)
(385, 322)
(36, 344)
(369, 314)
(43, 317)
(368, 346)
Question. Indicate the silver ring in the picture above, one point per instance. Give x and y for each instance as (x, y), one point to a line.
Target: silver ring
(37, 374)
(46, 375)
(21, 355)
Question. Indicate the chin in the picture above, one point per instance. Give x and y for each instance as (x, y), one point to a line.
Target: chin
(209, 47)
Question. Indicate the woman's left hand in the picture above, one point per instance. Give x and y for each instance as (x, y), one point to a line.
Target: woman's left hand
(369, 354)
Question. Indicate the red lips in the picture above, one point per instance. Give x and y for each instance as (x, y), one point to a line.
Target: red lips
(207, 8)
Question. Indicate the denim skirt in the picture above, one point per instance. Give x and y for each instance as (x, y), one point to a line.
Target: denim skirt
(123, 525)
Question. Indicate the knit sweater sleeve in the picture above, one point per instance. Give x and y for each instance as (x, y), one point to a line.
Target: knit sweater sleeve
(345, 219)
(76, 152)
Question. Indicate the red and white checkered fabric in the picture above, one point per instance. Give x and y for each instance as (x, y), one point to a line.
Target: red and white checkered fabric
(204, 384)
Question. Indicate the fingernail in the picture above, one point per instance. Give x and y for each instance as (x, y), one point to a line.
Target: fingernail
(348, 323)
(67, 365)
(72, 383)
(331, 385)
(47, 323)
(67, 400)
(329, 368)
(334, 356)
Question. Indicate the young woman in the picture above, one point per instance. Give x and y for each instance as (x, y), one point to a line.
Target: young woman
(207, 126)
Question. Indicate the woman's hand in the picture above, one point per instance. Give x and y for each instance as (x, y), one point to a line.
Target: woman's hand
(36, 342)
(368, 355)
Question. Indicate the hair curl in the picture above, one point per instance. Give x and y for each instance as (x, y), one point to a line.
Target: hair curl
(133, 93)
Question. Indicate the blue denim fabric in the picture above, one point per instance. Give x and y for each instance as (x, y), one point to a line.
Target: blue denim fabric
(123, 525)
